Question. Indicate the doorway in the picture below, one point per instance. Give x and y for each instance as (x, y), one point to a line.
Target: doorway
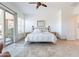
(77, 27)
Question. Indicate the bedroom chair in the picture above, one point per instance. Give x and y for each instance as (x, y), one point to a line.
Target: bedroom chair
(4, 54)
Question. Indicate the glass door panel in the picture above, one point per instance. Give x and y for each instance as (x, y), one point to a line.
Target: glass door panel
(1, 25)
(9, 28)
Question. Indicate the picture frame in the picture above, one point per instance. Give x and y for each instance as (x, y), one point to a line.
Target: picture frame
(40, 23)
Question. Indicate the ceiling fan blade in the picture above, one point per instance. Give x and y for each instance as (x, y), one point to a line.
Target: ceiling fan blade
(44, 5)
(38, 5)
(32, 2)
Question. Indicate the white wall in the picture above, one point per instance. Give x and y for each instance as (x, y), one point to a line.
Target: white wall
(59, 22)
(76, 10)
(76, 16)
(68, 24)
(50, 15)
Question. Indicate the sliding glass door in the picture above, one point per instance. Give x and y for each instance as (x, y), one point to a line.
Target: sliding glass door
(9, 28)
(1, 25)
(8, 25)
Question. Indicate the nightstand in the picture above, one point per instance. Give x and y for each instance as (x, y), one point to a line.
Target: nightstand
(53, 33)
(56, 34)
(27, 33)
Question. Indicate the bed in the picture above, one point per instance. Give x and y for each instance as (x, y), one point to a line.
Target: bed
(41, 35)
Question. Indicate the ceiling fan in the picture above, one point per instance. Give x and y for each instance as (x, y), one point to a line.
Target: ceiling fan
(38, 4)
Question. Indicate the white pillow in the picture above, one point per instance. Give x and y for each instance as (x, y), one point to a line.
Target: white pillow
(43, 30)
(36, 30)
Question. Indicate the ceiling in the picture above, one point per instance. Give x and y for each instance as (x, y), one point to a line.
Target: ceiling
(27, 8)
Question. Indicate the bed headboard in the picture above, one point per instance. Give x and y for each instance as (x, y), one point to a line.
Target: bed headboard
(48, 28)
(41, 25)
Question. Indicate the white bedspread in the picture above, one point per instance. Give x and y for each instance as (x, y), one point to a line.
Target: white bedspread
(41, 37)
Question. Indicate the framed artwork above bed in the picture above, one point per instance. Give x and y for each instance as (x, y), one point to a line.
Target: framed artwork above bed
(40, 23)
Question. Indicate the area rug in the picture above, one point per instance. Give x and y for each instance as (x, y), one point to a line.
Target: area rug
(46, 50)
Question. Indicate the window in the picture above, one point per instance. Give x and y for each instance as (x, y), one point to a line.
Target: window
(20, 25)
